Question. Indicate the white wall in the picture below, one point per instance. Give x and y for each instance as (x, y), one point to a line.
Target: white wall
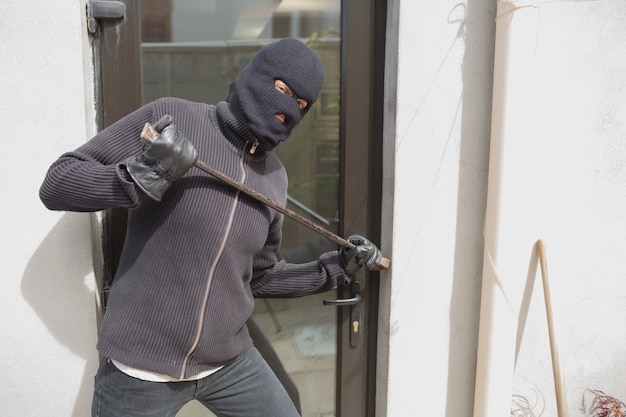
(579, 202)
(437, 139)
(47, 309)
(562, 178)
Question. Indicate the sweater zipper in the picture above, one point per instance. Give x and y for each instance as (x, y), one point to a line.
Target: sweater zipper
(211, 275)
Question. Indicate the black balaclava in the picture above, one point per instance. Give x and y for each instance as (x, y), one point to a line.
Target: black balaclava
(256, 98)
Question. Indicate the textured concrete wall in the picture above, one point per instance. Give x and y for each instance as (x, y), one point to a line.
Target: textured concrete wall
(579, 202)
(556, 173)
(440, 61)
(47, 309)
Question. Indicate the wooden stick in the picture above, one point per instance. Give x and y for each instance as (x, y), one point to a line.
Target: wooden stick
(559, 385)
(149, 134)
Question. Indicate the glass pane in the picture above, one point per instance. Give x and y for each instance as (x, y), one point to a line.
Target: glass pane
(194, 49)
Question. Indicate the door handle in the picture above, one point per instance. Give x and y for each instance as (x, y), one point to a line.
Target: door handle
(356, 297)
(355, 311)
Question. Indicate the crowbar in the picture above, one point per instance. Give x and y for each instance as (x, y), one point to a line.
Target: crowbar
(149, 134)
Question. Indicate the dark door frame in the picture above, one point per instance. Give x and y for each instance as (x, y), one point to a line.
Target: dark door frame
(363, 40)
(117, 67)
(117, 64)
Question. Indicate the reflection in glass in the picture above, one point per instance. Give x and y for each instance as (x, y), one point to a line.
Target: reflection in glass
(194, 49)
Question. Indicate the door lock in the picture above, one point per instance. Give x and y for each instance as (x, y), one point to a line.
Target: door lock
(355, 311)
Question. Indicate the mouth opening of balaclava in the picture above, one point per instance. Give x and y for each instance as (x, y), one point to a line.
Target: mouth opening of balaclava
(255, 95)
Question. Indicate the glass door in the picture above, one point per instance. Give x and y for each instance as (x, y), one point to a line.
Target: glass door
(194, 49)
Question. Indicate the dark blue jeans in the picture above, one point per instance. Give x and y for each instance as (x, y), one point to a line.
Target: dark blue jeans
(245, 388)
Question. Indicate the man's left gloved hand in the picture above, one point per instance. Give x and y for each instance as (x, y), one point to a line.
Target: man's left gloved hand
(364, 253)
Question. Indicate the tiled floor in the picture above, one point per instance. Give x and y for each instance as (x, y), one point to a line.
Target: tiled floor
(302, 332)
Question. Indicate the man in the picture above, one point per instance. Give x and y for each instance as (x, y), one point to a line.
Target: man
(196, 250)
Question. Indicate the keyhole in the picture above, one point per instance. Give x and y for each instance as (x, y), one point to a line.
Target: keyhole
(355, 326)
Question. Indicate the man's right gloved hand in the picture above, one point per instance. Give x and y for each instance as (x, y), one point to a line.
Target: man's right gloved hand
(363, 253)
(163, 161)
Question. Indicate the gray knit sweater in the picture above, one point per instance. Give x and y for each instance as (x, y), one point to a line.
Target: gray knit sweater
(192, 263)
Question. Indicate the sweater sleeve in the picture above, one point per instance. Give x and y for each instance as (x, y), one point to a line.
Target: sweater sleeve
(285, 280)
(278, 279)
(93, 177)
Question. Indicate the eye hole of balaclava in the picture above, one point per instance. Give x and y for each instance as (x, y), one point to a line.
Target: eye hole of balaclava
(255, 95)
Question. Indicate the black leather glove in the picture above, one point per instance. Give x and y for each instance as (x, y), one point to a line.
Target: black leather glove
(163, 161)
(364, 253)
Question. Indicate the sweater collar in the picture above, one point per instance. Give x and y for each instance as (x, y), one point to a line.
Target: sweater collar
(234, 127)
